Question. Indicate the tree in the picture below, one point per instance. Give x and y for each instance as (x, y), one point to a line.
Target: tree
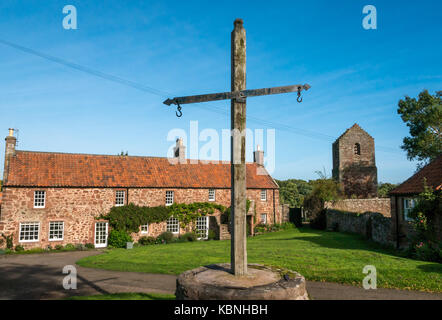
(385, 188)
(293, 191)
(424, 118)
(323, 190)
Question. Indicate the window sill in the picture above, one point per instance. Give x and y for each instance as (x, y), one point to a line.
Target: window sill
(28, 241)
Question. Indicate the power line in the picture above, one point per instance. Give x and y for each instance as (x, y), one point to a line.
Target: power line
(162, 93)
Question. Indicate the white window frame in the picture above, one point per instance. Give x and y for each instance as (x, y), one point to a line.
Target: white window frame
(173, 225)
(62, 230)
(120, 196)
(263, 221)
(39, 199)
(204, 236)
(264, 193)
(145, 227)
(406, 208)
(170, 197)
(22, 224)
(212, 195)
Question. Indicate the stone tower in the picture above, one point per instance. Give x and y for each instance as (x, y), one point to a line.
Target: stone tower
(354, 164)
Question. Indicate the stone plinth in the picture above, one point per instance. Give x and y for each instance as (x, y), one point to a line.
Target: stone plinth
(216, 282)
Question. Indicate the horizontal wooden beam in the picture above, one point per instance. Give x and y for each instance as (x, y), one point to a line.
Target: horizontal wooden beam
(236, 95)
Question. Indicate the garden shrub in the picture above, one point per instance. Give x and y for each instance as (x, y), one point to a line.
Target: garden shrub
(189, 236)
(80, 247)
(424, 243)
(118, 239)
(69, 247)
(165, 237)
(89, 246)
(58, 247)
(145, 241)
(19, 248)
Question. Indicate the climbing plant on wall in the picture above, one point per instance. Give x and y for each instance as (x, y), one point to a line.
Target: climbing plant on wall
(129, 218)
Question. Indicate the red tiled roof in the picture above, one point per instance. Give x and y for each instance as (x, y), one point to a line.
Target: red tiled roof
(44, 169)
(415, 185)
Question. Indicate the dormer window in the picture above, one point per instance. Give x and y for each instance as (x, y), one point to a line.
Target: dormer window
(357, 149)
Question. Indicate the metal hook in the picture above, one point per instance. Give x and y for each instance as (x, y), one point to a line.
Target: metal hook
(299, 99)
(178, 108)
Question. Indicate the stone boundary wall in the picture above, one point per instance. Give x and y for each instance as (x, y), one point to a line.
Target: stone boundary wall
(379, 205)
(372, 225)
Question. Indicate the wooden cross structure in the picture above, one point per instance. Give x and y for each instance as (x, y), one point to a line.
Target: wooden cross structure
(238, 97)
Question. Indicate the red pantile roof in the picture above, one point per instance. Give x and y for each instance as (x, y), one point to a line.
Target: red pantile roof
(44, 169)
(415, 185)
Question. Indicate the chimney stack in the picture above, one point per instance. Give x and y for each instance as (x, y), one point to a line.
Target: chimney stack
(258, 156)
(180, 151)
(11, 142)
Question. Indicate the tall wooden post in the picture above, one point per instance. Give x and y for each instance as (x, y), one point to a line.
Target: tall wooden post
(238, 152)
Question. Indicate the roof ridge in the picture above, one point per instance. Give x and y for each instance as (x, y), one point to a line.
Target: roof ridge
(124, 156)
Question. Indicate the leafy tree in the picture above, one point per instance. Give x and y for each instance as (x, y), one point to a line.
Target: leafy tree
(424, 118)
(385, 188)
(293, 191)
(323, 190)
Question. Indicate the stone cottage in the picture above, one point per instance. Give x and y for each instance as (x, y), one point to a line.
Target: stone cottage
(51, 198)
(354, 164)
(403, 199)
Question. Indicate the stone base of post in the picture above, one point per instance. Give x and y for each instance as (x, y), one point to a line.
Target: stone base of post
(216, 282)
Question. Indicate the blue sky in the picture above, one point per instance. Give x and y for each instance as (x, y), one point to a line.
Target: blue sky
(183, 48)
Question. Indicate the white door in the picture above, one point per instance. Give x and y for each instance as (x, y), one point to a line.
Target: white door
(101, 229)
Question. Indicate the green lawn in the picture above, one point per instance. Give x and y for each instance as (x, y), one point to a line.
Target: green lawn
(126, 296)
(317, 255)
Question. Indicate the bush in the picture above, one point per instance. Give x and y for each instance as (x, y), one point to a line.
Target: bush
(49, 248)
(146, 241)
(89, 246)
(428, 252)
(69, 247)
(190, 236)
(58, 247)
(212, 235)
(118, 239)
(19, 248)
(80, 247)
(165, 237)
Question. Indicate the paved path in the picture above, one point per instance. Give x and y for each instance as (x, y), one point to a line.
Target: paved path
(39, 276)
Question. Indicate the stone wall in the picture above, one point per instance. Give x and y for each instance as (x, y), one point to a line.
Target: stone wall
(78, 208)
(380, 205)
(372, 225)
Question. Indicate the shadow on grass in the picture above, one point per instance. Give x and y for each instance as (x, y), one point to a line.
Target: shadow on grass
(432, 268)
(342, 240)
(125, 296)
